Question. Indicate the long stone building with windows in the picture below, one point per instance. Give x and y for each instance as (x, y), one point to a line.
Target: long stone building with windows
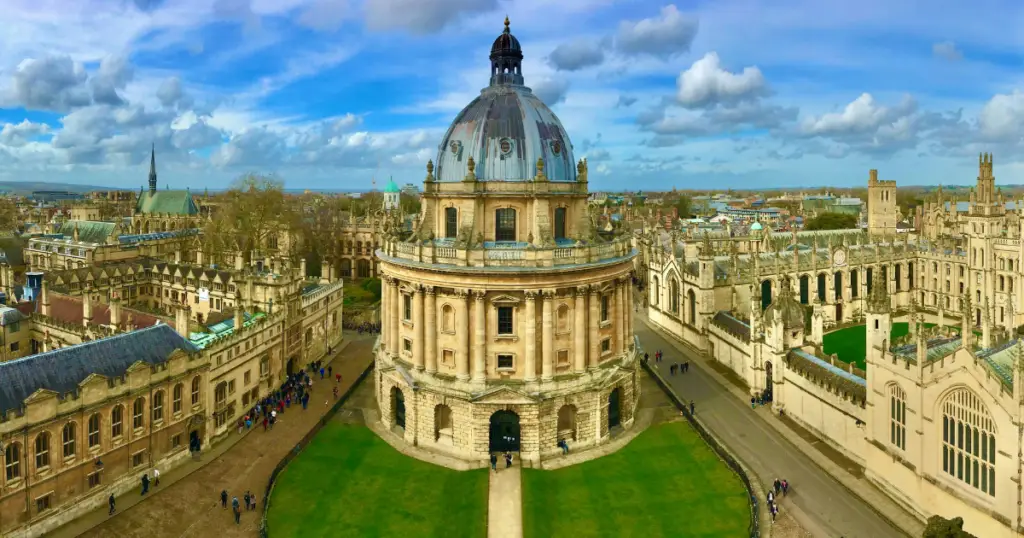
(935, 416)
(506, 319)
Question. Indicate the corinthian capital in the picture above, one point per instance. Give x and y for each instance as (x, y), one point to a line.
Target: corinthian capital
(581, 291)
(531, 295)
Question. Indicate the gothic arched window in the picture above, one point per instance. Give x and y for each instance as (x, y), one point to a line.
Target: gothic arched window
(969, 441)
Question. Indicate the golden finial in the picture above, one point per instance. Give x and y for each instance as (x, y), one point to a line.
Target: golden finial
(506, 23)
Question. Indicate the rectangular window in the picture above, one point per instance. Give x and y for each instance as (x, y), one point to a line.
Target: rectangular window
(137, 459)
(604, 307)
(505, 362)
(407, 307)
(95, 480)
(43, 504)
(247, 377)
(407, 345)
(505, 224)
(451, 222)
(559, 223)
(448, 357)
(563, 357)
(505, 325)
(176, 441)
(15, 346)
(606, 345)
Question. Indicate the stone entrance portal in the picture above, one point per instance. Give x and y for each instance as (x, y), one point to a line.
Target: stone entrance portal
(505, 432)
(614, 408)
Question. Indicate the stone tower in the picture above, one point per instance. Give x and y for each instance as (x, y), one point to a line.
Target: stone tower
(879, 321)
(881, 205)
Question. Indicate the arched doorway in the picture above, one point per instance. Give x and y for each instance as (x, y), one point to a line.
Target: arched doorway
(504, 432)
(398, 407)
(768, 387)
(290, 367)
(615, 408)
(443, 424)
(766, 294)
(363, 268)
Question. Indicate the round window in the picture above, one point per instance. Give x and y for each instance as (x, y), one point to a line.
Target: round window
(506, 146)
(454, 146)
(556, 147)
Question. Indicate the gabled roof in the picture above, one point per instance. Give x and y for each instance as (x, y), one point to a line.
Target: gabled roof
(88, 231)
(62, 370)
(173, 202)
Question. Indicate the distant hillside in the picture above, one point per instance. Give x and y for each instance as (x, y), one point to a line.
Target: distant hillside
(26, 187)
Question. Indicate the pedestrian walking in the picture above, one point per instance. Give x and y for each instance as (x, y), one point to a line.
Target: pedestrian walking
(265, 420)
(145, 484)
(777, 486)
(330, 371)
(338, 378)
(564, 446)
(753, 402)
(156, 477)
(224, 498)
(646, 357)
(335, 393)
(234, 508)
(691, 408)
(110, 501)
(246, 499)
(494, 462)
(785, 487)
(508, 459)
(321, 373)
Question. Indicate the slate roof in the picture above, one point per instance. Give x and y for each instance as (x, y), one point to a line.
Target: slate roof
(173, 202)
(810, 366)
(88, 231)
(10, 316)
(732, 325)
(61, 370)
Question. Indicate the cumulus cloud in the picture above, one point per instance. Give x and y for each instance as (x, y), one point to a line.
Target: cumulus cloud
(948, 51)
(862, 115)
(551, 90)
(325, 14)
(1002, 118)
(53, 83)
(666, 35)
(17, 135)
(706, 84)
(577, 54)
(422, 16)
(171, 94)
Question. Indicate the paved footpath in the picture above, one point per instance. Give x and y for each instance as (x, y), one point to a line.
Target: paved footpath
(505, 502)
(187, 503)
(818, 502)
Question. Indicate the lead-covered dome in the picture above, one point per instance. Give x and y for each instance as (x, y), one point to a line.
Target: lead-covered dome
(506, 129)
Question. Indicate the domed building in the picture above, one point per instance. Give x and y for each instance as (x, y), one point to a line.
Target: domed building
(506, 318)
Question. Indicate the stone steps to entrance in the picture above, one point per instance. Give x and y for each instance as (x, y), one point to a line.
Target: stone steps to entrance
(505, 502)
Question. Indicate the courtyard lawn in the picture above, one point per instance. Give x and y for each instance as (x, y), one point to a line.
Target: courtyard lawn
(666, 482)
(850, 344)
(348, 482)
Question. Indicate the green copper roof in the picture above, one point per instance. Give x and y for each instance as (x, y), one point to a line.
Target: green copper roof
(392, 187)
(89, 231)
(173, 202)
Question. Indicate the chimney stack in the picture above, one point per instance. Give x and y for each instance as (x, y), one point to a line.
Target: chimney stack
(86, 310)
(325, 272)
(115, 310)
(302, 267)
(44, 298)
(181, 316)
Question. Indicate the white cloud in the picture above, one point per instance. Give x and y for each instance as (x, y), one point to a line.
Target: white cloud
(862, 115)
(706, 83)
(667, 35)
(1002, 118)
(17, 135)
(577, 54)
(551, 90)
(947, 50)
(422, 16)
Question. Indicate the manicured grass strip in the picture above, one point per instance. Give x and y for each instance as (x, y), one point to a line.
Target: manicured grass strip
(850, 344)
(666, 482)
(348, 482)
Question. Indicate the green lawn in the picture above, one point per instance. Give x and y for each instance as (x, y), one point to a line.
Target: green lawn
(666, 482)
(348, 482)
(364, 292)
(850, 344)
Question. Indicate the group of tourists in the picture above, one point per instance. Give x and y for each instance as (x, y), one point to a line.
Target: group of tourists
(362, 327)
(250, 504)
(778, 486)
(494, 460)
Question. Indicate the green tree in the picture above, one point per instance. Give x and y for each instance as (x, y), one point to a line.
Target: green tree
(10, 216)
(685, 206)
(251, 217)
(940, 527)
(831, 221)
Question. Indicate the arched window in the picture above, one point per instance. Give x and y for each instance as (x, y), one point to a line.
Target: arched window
(195, 390)
(43, 450)
(559, 223)
(673, 290)
(94, 430)
(448, 318)
(138, 408)
(67, 439)
(969, 441)
(655, 291)
(116, 421)
(158, 406)
(897, 416)
(451, 222)
(505, 224)
(693, 307)
(12, 461)
(176, 397)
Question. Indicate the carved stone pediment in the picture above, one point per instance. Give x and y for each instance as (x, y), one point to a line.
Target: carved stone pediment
(503, 396)
(505, 300)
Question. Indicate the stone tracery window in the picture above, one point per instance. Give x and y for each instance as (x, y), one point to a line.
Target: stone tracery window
(673, 289)
(897, 416)
(969, 441)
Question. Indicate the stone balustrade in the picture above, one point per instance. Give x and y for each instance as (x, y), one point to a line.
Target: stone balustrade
(499, 255)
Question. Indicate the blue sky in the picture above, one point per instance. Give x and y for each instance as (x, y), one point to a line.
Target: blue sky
(329, 94)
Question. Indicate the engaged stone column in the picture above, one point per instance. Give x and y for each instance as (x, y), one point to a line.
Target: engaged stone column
(462, 328)
(480, 340)
(393, 316)
(619, 319)
(430, 328)
(417, 329)
(548, 336)
(630, 306)
(385, 303)
(595, 327)
(531, 336)
(579, 330)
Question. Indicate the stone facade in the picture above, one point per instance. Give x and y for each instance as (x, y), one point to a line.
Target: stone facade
(935, 419)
